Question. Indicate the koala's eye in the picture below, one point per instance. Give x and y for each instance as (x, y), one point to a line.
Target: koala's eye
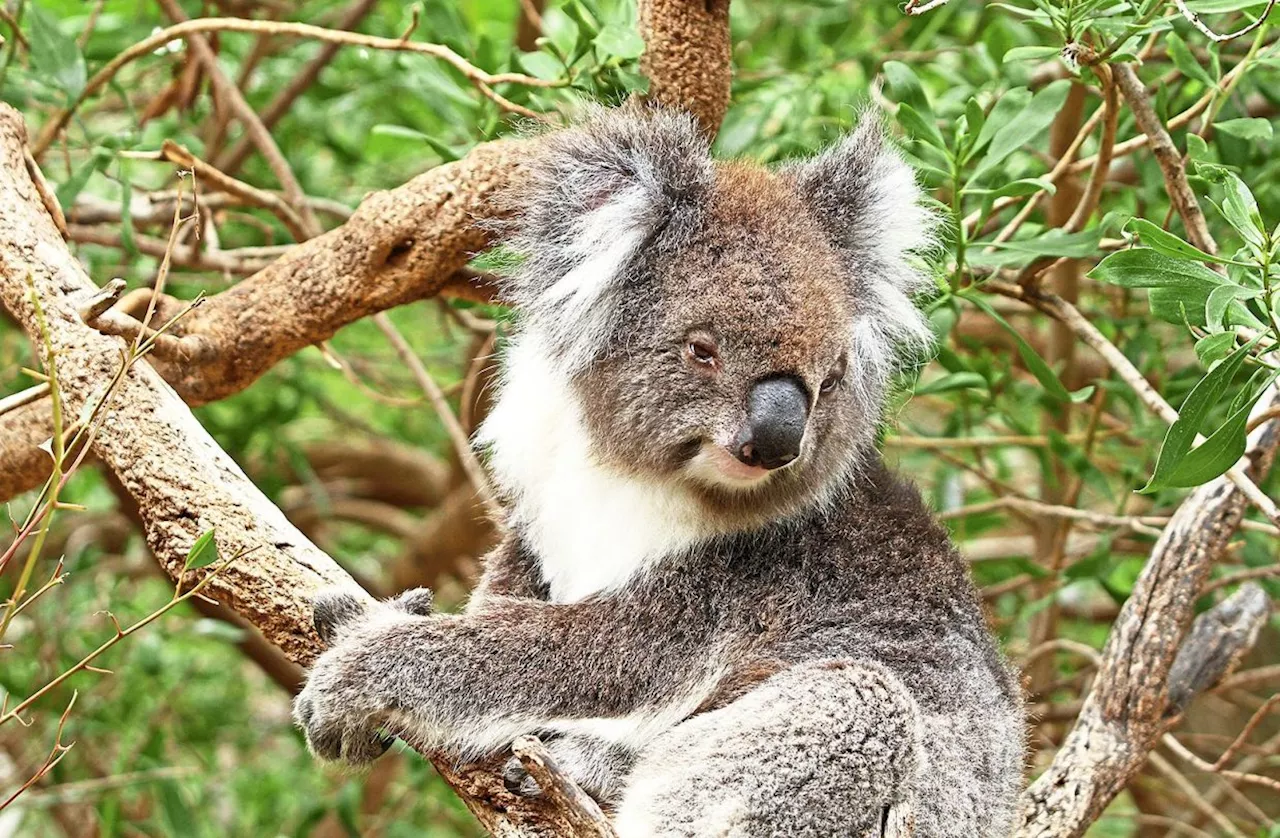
(833, 379)
(703, 353)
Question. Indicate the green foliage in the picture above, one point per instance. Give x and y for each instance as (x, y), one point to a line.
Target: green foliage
(189, 738)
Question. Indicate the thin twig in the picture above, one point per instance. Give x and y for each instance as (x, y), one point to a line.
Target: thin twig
(193, 28)
(1171, 163)
(1194, 20)
(199, 46)
(462, 446)
(1064, 311)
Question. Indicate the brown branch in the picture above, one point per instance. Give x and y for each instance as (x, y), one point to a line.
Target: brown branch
(182, 482)
(1171, 164)
(252, 196)
(688, 55)
(1126, 711)
(585, 816)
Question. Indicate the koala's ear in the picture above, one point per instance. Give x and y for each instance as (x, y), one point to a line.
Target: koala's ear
(865, 197)
(593, 195)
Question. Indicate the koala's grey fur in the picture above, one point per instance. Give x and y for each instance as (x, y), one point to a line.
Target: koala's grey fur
(710, 654)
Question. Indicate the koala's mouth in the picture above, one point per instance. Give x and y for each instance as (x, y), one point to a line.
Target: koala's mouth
(714, 465)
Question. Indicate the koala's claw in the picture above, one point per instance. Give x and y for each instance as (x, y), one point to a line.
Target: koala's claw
(333, 737)
(331, 610)
(518, 781)
(334, 611)
(418, 601)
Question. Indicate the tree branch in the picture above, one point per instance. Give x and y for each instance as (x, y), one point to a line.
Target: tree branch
(1128, 708)
(182, 482)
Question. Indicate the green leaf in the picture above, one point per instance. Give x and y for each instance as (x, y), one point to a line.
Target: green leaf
(906, 90)
(1166, 243)
(1207, 394)
(1223, 448)
(1214, 348)
(55, 57)
(952, 381)
(72, 186)
(1220, 298)
(1032, 121)
(1005, 108)
(203, 552)
(919, 127)
(1246, 128)
(1239, 207)
(1186, 63)
(1030, 54)
(620, 41)
(1024, 186)
(1037, 366)
(1142, 267)
(541, 65)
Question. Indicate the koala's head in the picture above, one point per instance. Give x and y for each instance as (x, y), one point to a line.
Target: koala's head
(720, 326)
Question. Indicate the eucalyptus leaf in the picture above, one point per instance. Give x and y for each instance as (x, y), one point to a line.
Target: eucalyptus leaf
(1246, 128)
(203, 552)
(1033, 120)
(1168, 244)
(55, 56)
(1142, 267)
(1207, 394)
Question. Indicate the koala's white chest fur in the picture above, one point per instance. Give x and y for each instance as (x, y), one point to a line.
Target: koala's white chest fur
(592, 528)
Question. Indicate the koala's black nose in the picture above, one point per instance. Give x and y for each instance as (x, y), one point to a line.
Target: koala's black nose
(777, 409)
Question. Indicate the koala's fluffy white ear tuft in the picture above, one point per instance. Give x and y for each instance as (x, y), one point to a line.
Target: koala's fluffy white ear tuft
(865, 196)
(597, 192)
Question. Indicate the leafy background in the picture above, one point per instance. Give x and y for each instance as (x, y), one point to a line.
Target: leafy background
(187, 736)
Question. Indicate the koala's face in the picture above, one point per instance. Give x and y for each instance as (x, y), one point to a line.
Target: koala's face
(732, 371)
(722, 327)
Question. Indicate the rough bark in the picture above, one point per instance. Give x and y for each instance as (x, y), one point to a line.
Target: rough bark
(182, 482)
(1128, 708)
(23, 466)
(688, 55)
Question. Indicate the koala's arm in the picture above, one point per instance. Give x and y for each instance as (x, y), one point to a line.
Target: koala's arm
(469, 684)
(510, 570)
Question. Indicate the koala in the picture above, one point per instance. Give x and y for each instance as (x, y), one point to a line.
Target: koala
(713, 601)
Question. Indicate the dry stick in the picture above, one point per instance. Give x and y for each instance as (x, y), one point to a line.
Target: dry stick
(1193, 794)
(1144, 524)
(1121, 149)
(253, 196)
(585, 814)
(462, 446)
(1097, 180)
(181, 481)
(191, 29)
(1060, 309)
(1106, 145)
(1194, 20)
(199, 45)
(217, 132)
(1127, 709)
(233, 159)
(23, 397)
(1171, 165)
(187, 256)
(912, 7)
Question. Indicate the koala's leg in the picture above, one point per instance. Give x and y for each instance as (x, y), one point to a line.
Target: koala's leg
(829, 748)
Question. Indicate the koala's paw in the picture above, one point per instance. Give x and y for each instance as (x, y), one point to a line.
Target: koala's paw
(336, 611)
(517, 779)
(339, 722)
